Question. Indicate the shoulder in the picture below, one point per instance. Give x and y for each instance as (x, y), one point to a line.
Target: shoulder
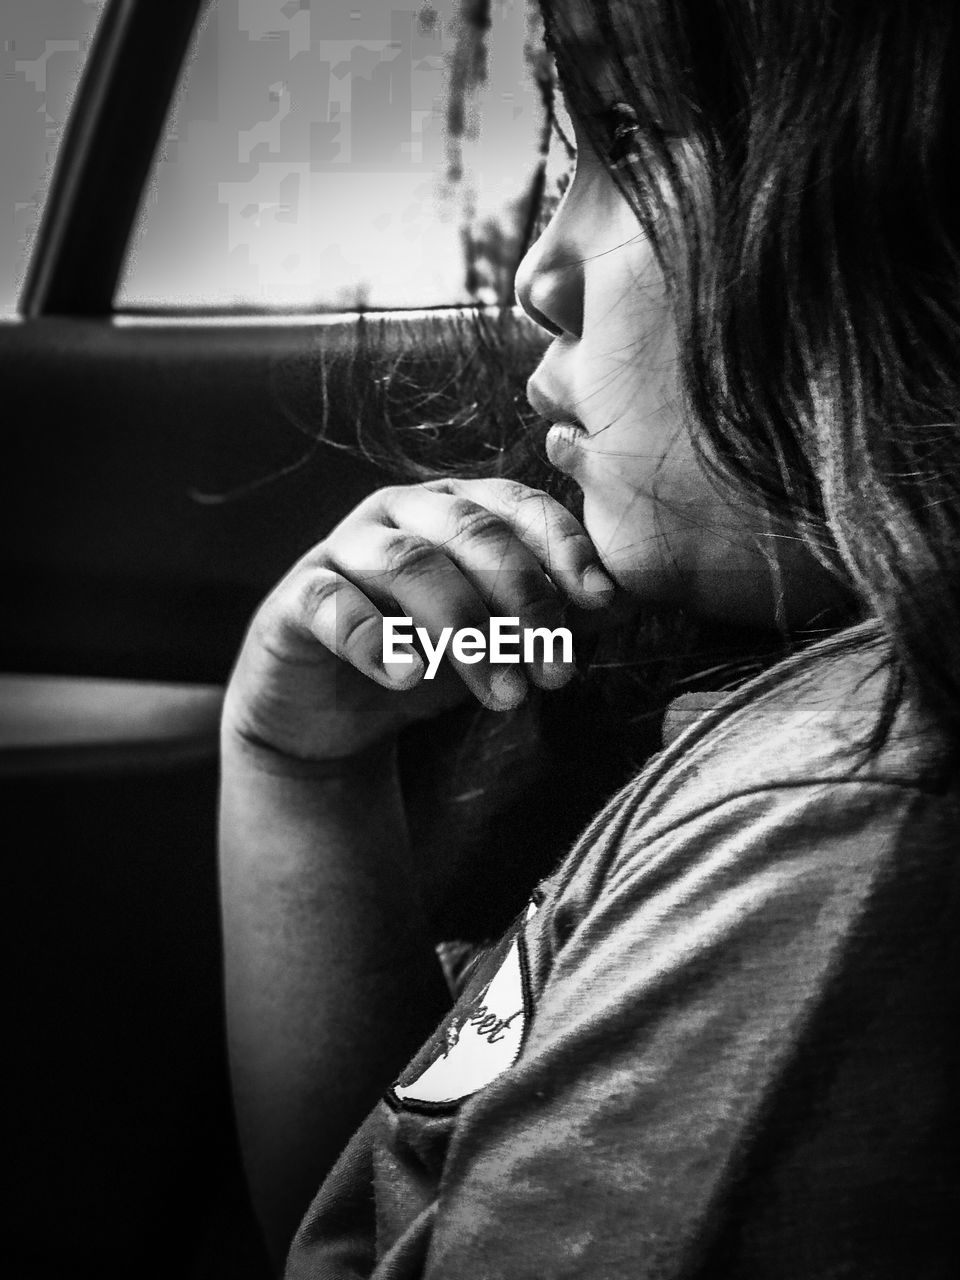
(763, 851)
(781, 769)
(809, 722)
(813, 716)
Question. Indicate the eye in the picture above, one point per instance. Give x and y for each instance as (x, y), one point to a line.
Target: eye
(622, 126)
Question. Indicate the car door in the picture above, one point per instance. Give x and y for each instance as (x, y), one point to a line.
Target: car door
(164, 464)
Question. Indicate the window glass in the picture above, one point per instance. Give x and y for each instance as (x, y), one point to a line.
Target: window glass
(43, 45)
(315, 160)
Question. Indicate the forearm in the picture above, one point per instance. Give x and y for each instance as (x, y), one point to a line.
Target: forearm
(331, 982)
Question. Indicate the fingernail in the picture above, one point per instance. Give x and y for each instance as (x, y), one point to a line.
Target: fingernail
(554, 675)
(508, 688)
(404, 672)
(595, 580)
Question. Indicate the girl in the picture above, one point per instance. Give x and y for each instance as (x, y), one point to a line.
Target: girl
(715, 1041)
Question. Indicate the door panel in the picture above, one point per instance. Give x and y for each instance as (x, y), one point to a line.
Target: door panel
(163, 478)
(119, 566)
(164, 475)
(159, 474)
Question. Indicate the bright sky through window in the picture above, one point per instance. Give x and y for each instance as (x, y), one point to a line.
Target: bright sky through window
(43, 46)
(304, 163)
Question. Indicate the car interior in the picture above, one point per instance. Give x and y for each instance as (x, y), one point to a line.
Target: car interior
(163, 468)
(194, 395)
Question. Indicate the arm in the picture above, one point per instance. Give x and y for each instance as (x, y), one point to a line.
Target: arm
(330, 983)
(324, 936)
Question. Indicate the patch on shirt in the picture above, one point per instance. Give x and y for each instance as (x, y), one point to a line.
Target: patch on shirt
(481, 1036)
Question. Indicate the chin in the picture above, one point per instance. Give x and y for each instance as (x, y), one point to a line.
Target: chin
(647, 583)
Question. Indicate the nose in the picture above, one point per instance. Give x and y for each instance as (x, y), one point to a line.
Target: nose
(549, 281)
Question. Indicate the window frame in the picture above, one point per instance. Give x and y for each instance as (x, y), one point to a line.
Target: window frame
(108, 146)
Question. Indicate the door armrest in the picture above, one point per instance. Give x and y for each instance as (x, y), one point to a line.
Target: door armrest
(71, 724)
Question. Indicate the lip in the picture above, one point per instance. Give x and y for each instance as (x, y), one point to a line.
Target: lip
(564, 447)
(566, 435)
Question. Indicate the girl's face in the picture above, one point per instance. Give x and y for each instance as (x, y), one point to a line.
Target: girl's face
(609, 380)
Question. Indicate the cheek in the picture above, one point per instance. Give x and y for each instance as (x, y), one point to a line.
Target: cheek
(629, 358)
(656, 520)
(646, 463)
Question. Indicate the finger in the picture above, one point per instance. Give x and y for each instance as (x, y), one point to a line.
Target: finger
(345, 620)
(503, 570)
(552, 533)
(407, 576)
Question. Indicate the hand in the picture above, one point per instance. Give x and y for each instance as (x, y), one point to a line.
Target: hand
(310, 682)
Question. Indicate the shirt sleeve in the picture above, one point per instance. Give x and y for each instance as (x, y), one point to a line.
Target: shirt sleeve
(713, 1078)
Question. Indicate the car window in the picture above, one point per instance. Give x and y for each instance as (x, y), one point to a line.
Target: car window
(314, 158)
(43, 46)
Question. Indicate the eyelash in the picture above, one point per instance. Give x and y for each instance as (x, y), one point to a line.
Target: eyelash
(620, 122)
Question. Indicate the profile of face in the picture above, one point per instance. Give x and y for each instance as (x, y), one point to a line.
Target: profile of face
(609, 381)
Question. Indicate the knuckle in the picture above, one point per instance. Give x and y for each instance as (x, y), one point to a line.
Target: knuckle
(568, 541)
(379, 501)
(317, 589)
(517, 494)
(473, 521)
(409, 556)
(353, 630)
(364, 508)
(442, 484)
(390, 494)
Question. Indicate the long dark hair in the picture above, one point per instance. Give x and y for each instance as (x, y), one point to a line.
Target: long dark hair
(796, 169)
